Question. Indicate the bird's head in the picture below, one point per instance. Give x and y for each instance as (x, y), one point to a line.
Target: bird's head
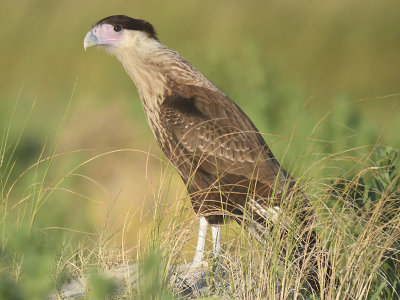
(118, 32)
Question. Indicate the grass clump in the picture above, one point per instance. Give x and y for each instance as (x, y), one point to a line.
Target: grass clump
(45, 242)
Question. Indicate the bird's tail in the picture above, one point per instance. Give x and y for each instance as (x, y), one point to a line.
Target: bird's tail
(297, 239)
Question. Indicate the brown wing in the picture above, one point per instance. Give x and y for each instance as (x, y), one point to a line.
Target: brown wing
(212, 135)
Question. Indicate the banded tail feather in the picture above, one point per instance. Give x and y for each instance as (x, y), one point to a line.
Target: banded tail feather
(305, 248)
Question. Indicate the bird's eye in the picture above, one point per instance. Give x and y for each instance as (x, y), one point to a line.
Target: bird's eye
(117, 28)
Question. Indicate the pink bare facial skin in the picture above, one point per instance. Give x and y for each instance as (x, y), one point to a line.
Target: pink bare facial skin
(103, 34)
(106, 34)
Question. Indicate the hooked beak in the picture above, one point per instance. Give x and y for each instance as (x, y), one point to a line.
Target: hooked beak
(90, 40)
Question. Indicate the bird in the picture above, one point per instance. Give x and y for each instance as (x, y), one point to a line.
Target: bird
(224, 161)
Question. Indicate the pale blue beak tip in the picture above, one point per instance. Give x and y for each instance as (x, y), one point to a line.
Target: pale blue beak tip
(90, 40)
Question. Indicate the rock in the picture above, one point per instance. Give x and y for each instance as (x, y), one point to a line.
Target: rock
(187, 280)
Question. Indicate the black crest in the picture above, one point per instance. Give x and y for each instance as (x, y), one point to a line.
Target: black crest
(131, 24)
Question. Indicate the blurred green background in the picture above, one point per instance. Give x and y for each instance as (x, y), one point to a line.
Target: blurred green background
(316, 77)
(280, 60)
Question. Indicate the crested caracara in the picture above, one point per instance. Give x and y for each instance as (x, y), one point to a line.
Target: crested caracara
(222, 158)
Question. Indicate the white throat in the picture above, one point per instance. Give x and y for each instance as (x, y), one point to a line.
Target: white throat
(155, 68)
(140, 60)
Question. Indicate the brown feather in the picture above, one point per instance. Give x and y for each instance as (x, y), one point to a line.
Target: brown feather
(228, 168)
(218, 151)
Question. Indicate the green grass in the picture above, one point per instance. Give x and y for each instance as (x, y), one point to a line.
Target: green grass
(83, 186)
(49, 236)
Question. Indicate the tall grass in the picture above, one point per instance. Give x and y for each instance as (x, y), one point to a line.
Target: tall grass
(357, 212)
(295, 69)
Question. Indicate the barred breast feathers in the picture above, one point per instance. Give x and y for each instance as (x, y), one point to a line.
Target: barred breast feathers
(158, 72)
(155, 67)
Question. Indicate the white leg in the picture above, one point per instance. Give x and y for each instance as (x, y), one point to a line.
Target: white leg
(216, 237)
(201, 241)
